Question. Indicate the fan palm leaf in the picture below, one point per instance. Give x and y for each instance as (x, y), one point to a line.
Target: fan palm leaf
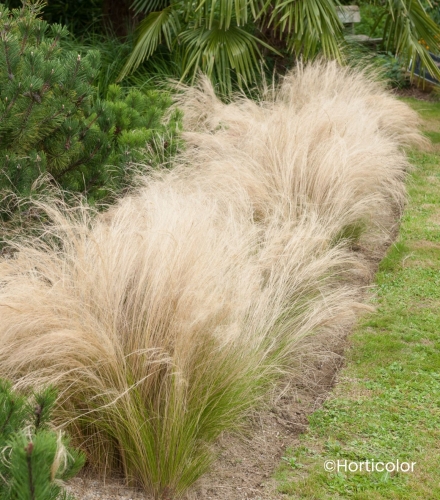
(157, 26)
(218, 51)
(409, 31)
(307, 25)
(222, 13)
(219, 36)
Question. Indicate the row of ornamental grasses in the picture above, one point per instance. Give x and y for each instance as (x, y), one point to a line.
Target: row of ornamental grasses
(165, 320)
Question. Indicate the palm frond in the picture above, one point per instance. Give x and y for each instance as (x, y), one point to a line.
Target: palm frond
(221, 12)
(307, 25)
(409, 31)
(218, 52)
(157, 25)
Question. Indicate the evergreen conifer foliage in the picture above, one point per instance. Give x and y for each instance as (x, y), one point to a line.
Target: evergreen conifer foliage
(50, 120)
(34, 458)
(139, 133)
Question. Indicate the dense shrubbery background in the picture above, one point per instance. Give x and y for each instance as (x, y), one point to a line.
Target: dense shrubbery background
(233, 43)
(54, 121)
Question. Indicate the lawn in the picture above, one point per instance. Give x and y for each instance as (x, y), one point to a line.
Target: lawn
(386, 404)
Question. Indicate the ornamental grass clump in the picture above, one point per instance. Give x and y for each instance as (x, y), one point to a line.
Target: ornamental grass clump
(164, 321)
(327, 140)
(162, 326)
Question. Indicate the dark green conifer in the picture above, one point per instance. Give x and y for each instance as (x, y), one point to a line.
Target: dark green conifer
(33, 457)
(52, 121)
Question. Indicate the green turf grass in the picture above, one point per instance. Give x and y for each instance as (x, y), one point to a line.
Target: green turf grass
(386, 405)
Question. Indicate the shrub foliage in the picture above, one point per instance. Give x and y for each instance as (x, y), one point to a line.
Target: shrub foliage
(33, 457)
(51, 119)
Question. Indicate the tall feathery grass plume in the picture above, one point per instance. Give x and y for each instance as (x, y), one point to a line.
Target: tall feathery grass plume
(320, 81)
(162, 326)
(327, 139)
(164, 322)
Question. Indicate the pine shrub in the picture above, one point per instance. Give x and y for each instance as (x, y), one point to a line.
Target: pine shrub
(34, 458)
(52, 120)
(138, 126)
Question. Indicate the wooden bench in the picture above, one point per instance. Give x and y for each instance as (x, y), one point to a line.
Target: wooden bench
(349, 15)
